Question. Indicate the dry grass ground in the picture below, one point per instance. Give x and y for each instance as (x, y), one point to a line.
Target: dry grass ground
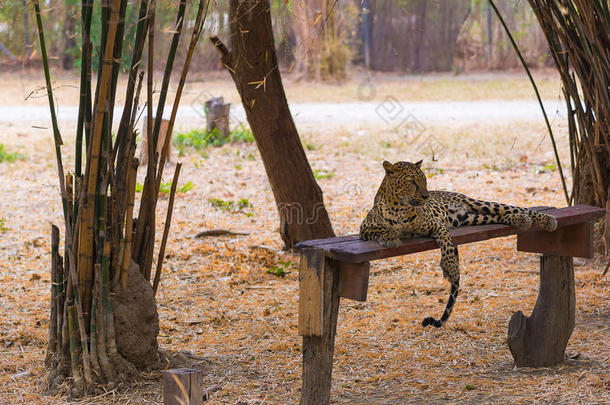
(218, 302)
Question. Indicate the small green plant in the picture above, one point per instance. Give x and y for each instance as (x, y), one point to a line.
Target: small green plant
(166, 188)
(469, 387)
(199, 140)
(186, 187)
(311, 146)
(221, 204)
(280, 270)
(241, 205)
(238, 167)
(432, 172)
(3, 227)
(242, 134)
(386, 145)
(551, 167)
(8, 156)
(323, 174)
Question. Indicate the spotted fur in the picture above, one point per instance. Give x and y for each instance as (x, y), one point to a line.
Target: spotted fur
(405, 208)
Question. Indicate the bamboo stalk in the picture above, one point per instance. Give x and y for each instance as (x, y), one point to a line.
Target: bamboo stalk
(100, 341)
(51, 357)
(75, 351)
(131, 188)
(56, 135)
(168, 221)
(173, 48)
(65, 331)
(86, 14)
(199, 21)
(81, 328)
(70, 197)
(141, 29)
(93, 333)
(147, 196)
(85, 265)
(145, 240)
(73, 282)
(121, 190)
(59, 305)
(116, 57)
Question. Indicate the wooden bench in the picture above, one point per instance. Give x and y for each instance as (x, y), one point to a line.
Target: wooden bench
(339, 267)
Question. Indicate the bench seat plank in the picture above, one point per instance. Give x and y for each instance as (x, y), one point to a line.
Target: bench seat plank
(351, 249)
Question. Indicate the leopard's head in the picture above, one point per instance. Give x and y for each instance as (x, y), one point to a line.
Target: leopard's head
(406, 181)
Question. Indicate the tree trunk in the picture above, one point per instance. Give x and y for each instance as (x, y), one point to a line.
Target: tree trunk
(253, 66)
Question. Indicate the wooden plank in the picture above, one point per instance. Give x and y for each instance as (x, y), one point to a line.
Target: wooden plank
(358, 251)
(311, 292)
(321, 243)
(182, 386)
(326, 243)
(354, 280)
(572, 240)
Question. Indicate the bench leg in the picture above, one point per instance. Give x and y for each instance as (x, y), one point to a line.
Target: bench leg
(318, 350)
(540, 340)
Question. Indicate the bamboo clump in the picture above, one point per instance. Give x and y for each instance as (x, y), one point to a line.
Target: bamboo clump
(578, 34)
(103, 235)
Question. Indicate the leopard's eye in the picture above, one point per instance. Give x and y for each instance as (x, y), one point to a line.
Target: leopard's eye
(413, 182)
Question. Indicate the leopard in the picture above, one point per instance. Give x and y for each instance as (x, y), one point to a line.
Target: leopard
(404, 208)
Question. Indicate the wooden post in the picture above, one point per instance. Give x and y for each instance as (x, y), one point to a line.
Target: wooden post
(354, 280)
(540, 340)
(182, 386)
(160, 141)
(311, 293)
(318, 351)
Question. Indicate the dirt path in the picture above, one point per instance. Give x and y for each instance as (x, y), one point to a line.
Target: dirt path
(388, 111)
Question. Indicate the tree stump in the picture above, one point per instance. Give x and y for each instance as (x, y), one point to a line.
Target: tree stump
(540, 340)
(160, 141)
(182, 386)
(217, 116)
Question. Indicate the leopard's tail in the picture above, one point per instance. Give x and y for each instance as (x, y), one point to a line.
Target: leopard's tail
(544, 221)
(455, 288)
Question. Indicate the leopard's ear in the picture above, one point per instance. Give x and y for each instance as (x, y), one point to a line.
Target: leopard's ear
(418, 164)
(389, 167)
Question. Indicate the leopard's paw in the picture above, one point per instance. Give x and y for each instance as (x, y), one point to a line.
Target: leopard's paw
(521, 221)
(389, 242)
(547, 222)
